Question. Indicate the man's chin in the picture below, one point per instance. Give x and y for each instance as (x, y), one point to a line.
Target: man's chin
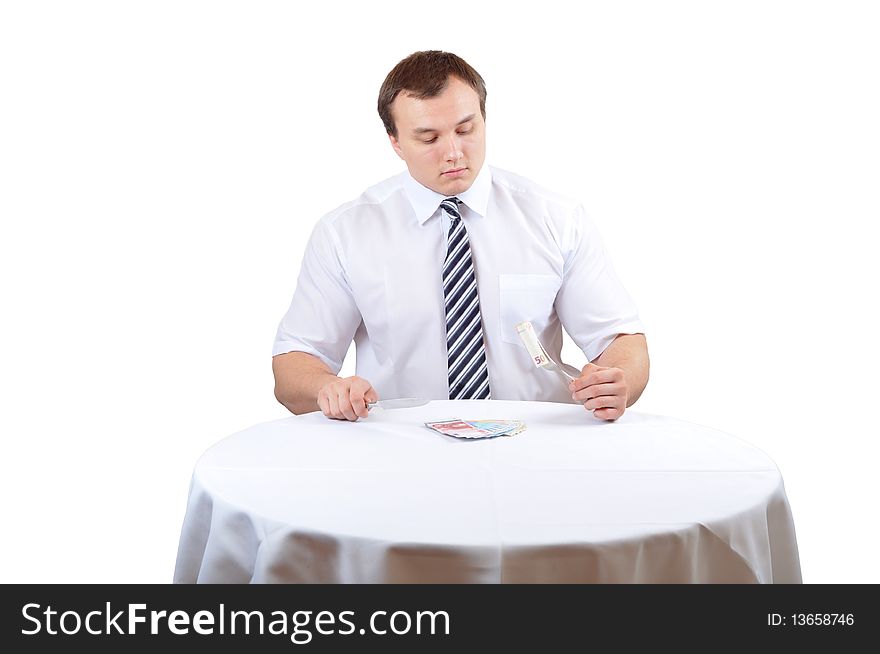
(450, 187)
(456, 185)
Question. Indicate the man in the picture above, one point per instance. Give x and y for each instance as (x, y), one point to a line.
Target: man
(429, 272)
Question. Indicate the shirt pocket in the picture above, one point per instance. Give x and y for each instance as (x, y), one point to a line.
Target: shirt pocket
(526, 297)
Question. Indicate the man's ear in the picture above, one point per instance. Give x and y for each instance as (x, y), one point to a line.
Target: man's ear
(396, 145)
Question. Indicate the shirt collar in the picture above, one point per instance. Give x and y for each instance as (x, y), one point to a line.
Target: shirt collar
(425, 202)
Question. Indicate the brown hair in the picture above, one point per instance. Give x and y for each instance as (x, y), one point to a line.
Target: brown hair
(425, 75)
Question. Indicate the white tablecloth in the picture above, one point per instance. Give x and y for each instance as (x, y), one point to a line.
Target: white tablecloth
(571, 499)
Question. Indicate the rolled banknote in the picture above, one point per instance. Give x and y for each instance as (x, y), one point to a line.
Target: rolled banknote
(539, 355)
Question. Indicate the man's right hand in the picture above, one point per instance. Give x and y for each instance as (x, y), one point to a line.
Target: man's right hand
(346, 399)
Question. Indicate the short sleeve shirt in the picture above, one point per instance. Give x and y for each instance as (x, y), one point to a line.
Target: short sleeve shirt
(372, 274)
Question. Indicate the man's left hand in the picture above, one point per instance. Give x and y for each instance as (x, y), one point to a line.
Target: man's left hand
(601, 390)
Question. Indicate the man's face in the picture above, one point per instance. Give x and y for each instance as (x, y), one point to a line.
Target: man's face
(442, 140)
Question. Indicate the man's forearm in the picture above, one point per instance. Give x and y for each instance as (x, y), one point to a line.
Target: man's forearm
(298, 378)
(629, 352)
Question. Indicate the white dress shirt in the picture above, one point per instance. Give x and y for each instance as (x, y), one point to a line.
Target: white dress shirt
(372, 272)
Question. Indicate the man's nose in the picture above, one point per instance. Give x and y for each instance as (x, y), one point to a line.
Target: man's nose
(453, 151)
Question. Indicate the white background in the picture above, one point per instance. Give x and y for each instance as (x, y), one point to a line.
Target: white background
(162, 163)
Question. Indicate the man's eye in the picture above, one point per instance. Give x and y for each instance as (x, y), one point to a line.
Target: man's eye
(466, 131)
(429, 140)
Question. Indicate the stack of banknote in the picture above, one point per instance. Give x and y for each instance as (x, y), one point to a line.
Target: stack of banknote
(477, 428)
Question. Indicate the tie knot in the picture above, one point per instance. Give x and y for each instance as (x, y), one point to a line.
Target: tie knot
(450, 206)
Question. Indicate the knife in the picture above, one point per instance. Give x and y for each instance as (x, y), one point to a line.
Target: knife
(398, 403)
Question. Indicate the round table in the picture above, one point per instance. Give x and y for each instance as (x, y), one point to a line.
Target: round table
(645, 499)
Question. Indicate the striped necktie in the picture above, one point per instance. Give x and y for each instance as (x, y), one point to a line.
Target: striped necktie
(465, 351)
